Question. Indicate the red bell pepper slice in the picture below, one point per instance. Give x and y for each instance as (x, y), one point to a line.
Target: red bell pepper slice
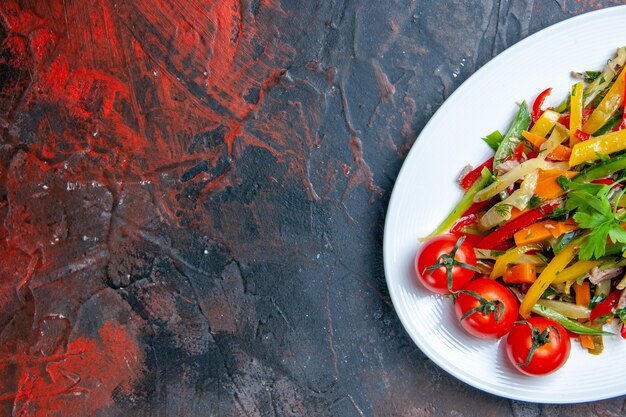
(581, 136)
(504, 246)
(603, 181)
(471, 238)
(537, 112)
(507, 230)
(565, 117)
(470, 178)
(518, 153)
(606, 306)
(463, 222)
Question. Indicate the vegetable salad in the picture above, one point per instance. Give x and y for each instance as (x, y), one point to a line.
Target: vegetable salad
(545, 216)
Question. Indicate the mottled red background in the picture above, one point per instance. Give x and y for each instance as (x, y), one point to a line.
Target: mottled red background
(192, 195)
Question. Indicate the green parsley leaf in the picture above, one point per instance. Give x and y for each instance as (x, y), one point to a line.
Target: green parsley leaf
(589, 221)
(594, 246)
(592, 211)
(617, 234)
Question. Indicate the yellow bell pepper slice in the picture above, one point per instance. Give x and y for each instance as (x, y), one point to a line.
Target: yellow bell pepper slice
(576, 112)
(578, 269)
(606, 144)
(549, 274)
(607, 107)
(546, 121)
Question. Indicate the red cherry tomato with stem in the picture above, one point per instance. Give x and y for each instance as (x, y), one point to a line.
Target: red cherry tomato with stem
(445, 263)
(538, 346)
(486, 308)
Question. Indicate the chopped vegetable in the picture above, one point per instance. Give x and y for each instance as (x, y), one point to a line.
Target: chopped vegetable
(507, 230)
(494, 139)
(576, 112)
(572, 311)
(607, 107)
(571, 325)
(586, 341)
(606, 308)
(559, 134)
(464, 204)
(471, 177)
(541, 231)
(600, 83)
(519, 199)
(558, 263)
(559, 153)
(547, 187)
(508, 258)
(520, 274)
(575, 271)
(606, 144)
(514, 175)
(511, 138)
(538, 103)
(545, 123)
(601, 170)
(550, 222)
(583, 294)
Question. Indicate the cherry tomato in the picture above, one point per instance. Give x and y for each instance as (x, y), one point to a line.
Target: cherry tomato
(445, 263)
(538, 346)
(486, 308)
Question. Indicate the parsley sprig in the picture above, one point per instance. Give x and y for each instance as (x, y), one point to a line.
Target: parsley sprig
(592, 210)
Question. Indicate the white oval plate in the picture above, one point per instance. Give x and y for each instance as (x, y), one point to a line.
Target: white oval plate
(425, 192)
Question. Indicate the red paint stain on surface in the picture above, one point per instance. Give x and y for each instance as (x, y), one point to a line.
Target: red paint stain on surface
(362, 173)
(42, 42)
(165, 94)
(136, 81)
(18, 47)
(19, 20)
(78, 382)
(387, 89)
(150, 92)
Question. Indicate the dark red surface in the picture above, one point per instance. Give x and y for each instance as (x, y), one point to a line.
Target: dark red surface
(192, 196)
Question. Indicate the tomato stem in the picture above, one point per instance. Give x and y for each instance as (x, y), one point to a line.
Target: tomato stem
(448, 262)
(495, 307)
(539, 338)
